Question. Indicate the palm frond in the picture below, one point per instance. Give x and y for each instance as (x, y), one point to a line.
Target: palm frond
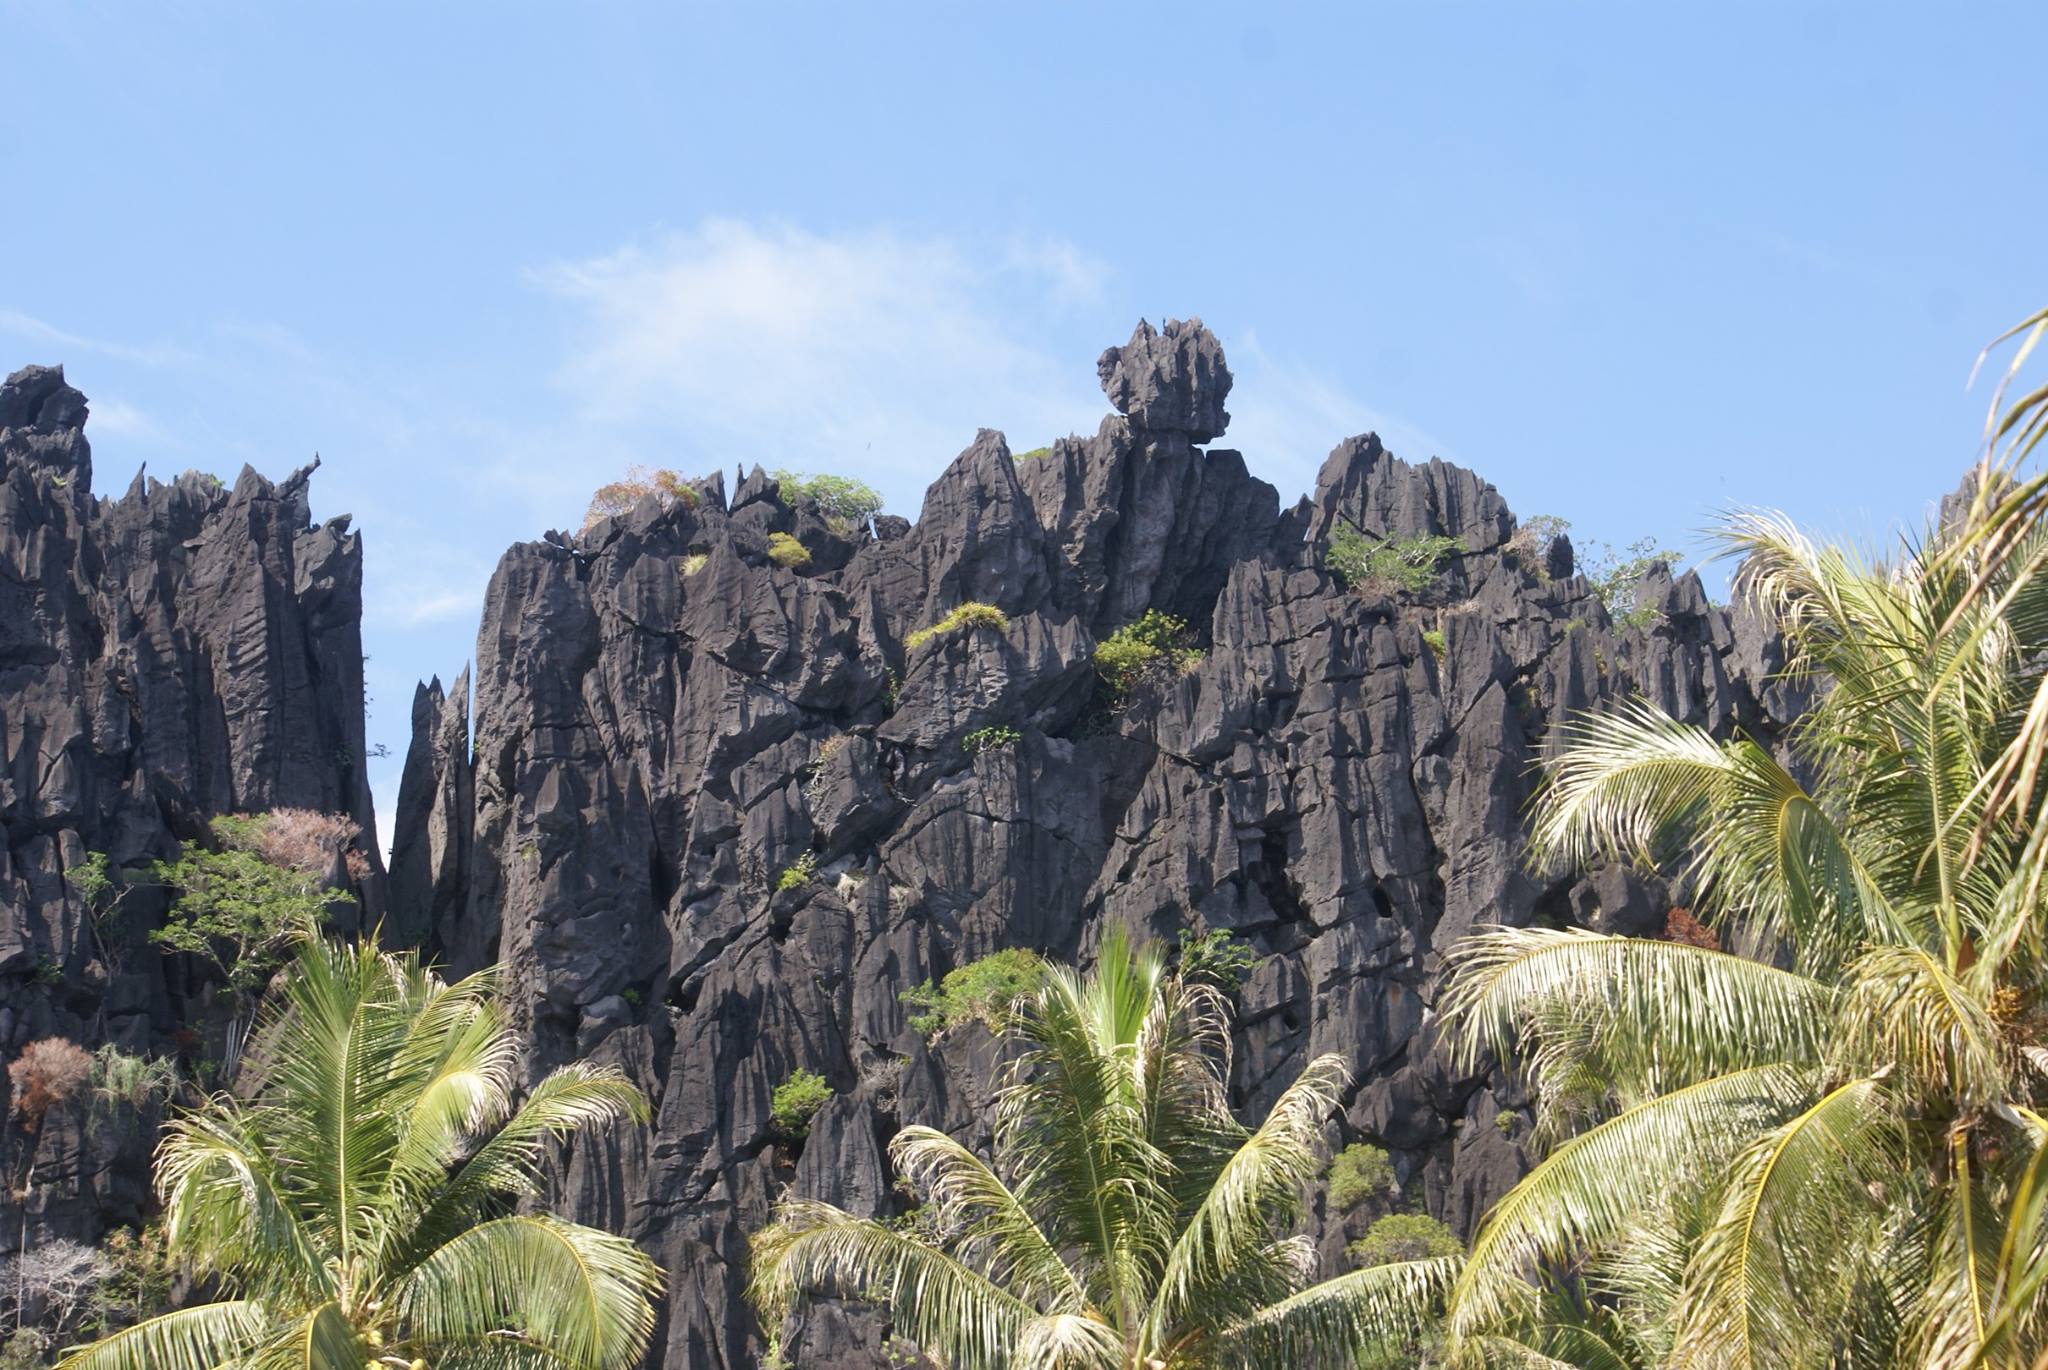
(1593, 1185)
(1353, 1314)
(989, 1225)
(227, 1210)
(1666, 1013)
(1956, 1306)
(201, 1338)
(1780, 1263)
(1633, 783)
(1070, 1341)
(507, 1164)
(934, 1299)
(1257, 1196)
(320, 1339)
(1070, 1125)
(586, 1294)
(1905, 1012)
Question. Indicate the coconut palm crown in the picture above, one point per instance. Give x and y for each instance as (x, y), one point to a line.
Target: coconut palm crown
(1795, 1148)
(355, 1209)
(1128, 1221)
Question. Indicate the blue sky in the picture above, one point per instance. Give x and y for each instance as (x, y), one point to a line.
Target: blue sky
(1633, 263)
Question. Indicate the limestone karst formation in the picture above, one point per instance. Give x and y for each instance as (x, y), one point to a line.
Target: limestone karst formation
(659, 720)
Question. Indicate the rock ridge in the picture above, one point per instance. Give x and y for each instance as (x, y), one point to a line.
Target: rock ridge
(666, 720)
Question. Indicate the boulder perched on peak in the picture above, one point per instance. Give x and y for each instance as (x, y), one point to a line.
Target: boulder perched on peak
(41, 422)
(1172, 380)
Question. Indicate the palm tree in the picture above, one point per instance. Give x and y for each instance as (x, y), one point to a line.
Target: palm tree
(1128, 1221)
(1794, 1148)
(356, 1209)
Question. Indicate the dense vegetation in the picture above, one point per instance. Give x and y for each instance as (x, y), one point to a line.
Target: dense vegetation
(1823, 1146)
(1127, 1219)
(982, 991)
(1386, 565)
(1154, 643)
(352, 1204)
(847, 504)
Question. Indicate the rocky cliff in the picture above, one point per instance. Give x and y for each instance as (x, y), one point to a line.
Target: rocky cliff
(665, 718)
(660, 719)
(183, 651)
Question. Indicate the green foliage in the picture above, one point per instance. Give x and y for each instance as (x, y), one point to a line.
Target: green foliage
(982, 991)
(365, 1197)
(1792, 1131)
(238, 910)
(1403, 1237)
(1033, 455)
(134, 1083)
(695, 562)
(848, 504)
(796, 1101)
(1362, 563)
(1154, 641)
(138, 1281)
(797, 873)
(631, 994)
(1216, 957)
(93, 880)
(972, 614)
(1362, 1173)
(785, 550)
(1433, 638)
(987, 739)
(1614, 576)
(1122, 1217)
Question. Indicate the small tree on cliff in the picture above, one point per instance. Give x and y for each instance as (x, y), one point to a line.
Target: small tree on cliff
(355, 1205)
(1128, 1222)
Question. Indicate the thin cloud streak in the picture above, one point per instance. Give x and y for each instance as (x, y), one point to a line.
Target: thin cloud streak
(869, 349)
(13, 321)
(1286, 417)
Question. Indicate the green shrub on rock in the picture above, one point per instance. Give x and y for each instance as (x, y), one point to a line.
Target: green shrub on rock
(1404, 1237)
(1387, 565)
(799, 872)
(972, 614)
(978, 992)
(785, 550)
(796, 1101)
(989, 739)
(848, 504)
(1361, 1172)
(1151, 642)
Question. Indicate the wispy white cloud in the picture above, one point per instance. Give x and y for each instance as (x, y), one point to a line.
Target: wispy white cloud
(868, 349)
(112, 418)
(1286, 416)
(20, 325)
(438, 606)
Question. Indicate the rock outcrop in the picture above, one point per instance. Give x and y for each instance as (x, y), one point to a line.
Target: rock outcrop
(666, 720)
(184, 651)
(660, 721)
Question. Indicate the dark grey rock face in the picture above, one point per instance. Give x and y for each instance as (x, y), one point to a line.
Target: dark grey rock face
(663, 721)
(666, 721)
(184, 651)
